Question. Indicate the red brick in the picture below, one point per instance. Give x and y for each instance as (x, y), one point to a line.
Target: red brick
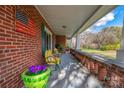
(5, 59)
(3, 72)
(2, 38)
(5, 43)
(16, 43)
(11, 54)
(18, 50)
(1, 81)
(2, 30)
(1, 51)
(11, 46)
(61, 40)
(2, 7)
(10, 32)
(15, 36)
(3, 63)
(5, 35)
(5, 19)
(11, 61)
(2, 55)
(8, 24)
(14, 50)
(4, 11)
(9, 9)
(6, 51)
(2, 14)
(10, 39)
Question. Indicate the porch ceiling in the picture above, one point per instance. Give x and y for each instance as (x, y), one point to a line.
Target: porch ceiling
(68, 19)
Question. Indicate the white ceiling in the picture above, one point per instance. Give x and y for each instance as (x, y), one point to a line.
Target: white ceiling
(71, 16)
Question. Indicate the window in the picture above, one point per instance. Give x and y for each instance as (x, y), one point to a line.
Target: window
(103, 37)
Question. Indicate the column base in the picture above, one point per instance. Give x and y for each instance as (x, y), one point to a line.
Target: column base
(120, 55)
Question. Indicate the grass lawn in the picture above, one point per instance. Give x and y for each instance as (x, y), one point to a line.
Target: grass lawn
(109, 53)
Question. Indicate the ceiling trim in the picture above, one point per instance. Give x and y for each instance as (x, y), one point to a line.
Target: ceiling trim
(86, 21)
(92, 19)
(36, 6)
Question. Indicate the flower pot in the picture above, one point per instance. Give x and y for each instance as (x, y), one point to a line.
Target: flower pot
(36, 81)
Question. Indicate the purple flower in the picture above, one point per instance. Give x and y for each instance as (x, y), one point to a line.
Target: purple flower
(32, 69)
(44, 67)
(36, 69)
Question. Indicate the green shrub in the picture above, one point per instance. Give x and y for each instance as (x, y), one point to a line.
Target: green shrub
(110, 47)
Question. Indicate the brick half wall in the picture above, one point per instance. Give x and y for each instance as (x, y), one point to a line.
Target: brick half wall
(110, 75)
(18, 50)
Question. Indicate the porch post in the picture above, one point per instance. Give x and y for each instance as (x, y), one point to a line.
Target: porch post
(120, 52)
(70, 43)
(78, 41)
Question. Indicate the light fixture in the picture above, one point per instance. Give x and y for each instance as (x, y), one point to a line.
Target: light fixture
(64, 26)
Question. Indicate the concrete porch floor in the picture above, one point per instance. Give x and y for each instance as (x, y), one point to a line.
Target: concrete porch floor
(72, 75)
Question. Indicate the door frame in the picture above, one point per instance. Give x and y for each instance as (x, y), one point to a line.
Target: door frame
(50, 33)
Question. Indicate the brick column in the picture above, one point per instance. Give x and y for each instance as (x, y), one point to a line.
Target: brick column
(70, 43)
(78, 41)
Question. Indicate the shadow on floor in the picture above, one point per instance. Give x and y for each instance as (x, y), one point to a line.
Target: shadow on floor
(72, 75)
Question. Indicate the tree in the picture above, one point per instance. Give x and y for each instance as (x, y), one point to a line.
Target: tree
(108, 35)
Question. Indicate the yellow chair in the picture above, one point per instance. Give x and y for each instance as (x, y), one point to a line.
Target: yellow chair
(55, 51)
(50, 58)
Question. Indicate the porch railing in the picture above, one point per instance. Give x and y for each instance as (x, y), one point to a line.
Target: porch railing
(109, 72)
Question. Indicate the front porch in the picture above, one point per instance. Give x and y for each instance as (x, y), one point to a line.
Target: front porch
(72, 74)
(26, 34)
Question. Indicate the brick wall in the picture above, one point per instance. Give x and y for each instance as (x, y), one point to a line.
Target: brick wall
(60, 39)
(110, 75)
(17, 50)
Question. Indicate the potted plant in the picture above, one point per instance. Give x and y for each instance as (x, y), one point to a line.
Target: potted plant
(36, 76)
(60, 47)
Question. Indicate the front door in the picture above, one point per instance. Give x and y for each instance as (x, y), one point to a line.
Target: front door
(43, 39)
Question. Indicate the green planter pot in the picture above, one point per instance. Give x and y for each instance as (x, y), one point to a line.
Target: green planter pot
(37, 81)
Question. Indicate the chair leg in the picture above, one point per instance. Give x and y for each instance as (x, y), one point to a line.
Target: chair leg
(50, 73)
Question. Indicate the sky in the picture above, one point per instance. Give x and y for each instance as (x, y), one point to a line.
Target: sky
(113, 18)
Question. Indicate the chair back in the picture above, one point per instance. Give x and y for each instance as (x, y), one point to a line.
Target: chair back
(48, 53)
